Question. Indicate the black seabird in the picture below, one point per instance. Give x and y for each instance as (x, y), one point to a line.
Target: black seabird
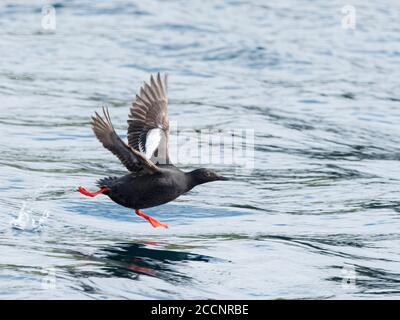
(152, 179)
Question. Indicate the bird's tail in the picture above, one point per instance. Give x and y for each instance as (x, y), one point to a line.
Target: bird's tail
(106, 182)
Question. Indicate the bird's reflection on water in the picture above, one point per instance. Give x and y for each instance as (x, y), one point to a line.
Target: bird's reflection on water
(131, 260)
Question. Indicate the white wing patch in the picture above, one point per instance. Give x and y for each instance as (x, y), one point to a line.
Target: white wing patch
(153, 139)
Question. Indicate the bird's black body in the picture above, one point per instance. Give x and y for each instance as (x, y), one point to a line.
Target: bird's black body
(152, 179)
(139, 192)
(145, 191)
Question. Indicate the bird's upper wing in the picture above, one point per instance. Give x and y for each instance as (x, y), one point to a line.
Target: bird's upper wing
(133, 160)
(148, 129)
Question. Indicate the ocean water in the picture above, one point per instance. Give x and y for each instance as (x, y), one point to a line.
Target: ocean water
(316, 213)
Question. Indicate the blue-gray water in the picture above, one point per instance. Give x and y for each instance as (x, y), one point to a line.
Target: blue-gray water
(320, 205)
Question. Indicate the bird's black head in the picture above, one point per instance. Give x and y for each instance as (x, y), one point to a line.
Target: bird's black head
(200, 176)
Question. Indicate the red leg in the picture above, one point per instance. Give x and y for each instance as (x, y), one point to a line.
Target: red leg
(91, 194)
(155, 223)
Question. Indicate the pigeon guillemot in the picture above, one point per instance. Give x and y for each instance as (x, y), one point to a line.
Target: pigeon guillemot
(153, 180)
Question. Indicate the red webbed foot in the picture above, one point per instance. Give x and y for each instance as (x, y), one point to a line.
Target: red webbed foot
(154, 222)
(91, 194)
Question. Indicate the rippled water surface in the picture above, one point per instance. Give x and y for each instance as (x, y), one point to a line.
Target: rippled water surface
(318, 217)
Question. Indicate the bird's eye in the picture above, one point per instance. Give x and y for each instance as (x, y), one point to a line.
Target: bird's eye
(207, 174)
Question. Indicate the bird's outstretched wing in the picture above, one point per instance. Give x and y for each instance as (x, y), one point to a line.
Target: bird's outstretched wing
(148, 129)
(133, 160)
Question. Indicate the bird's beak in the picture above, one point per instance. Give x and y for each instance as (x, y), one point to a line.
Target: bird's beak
(222, 178)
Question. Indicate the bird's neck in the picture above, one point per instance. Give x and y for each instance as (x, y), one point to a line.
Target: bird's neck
(191, 181)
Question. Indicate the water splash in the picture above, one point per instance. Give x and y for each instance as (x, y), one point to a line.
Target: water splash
(26, 221)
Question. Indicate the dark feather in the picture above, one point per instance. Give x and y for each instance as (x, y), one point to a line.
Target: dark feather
(133, 160)
(149, 111)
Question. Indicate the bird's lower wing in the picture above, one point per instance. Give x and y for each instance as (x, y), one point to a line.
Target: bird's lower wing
(132, 159)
